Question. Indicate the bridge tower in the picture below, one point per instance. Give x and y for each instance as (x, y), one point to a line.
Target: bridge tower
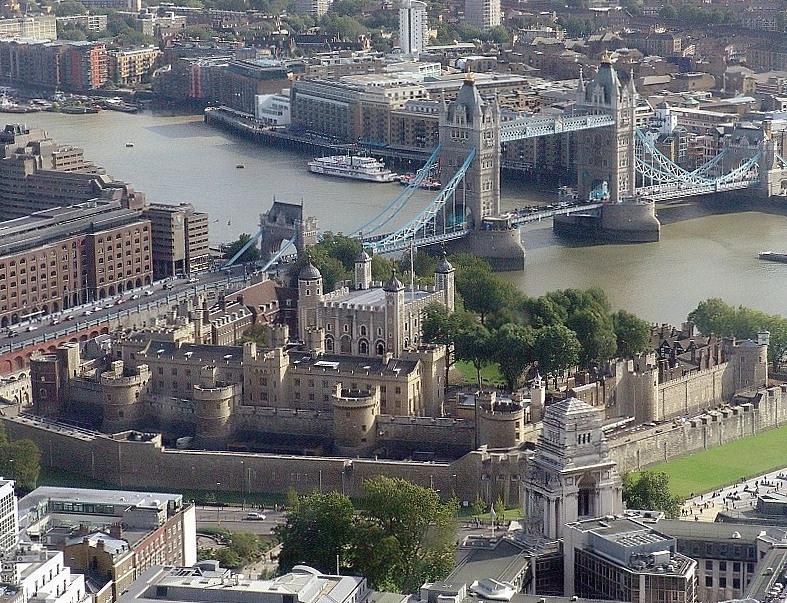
(472, 123)
(468, 123)
(607, 154)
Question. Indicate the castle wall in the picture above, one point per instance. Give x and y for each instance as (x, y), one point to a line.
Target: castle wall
(636, 450)
(695, 392)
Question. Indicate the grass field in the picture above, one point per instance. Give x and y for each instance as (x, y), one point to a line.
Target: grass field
(490, 374)
(709, 469)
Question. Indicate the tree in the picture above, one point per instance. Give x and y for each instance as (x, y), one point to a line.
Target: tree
(649, 490)
(512, 347)
(317, 529)
(479, 506)
(71, 33)
(20, 460)
(473, 345)
(595, 334)
(632, 334)
(417, 528)
(68, 8)
(257, 333)
(500, 509)
(668, 13)
(483, 292)
(252, 254)
(716, 316)
(556, 349)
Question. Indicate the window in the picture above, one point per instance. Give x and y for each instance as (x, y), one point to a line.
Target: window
(709, 565)
(722, 582)
(736, 583)
(722, 566)
(709, 581)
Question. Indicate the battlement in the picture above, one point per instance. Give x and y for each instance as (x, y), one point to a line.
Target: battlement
(442, 422)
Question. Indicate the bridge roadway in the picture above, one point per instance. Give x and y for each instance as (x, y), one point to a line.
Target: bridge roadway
(78, 318)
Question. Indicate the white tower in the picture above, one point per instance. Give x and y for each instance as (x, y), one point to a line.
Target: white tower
(309, 297)
(363, 271)
(413, 27)
(571, 476)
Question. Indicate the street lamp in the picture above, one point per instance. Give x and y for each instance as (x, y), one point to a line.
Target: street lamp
(218, 506)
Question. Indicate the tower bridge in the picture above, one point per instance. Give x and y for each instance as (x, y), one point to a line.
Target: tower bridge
(620, 175)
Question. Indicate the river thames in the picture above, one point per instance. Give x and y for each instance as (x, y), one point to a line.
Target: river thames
(702, 253)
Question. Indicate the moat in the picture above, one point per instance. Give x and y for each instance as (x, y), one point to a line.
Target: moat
(703, 251)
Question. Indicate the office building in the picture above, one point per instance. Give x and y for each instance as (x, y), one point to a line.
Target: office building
(9, 524)
(482, 14)
(207, 582)
(111, 535)
(623, 559)
(180, 239)
(413, 27)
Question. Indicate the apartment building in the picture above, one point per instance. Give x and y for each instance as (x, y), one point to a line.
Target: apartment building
(133, 66)
(87, 22)
(58, 258)
(483, 14)
(38, 27)
(63, 65)
(413, 27)
(180, 239)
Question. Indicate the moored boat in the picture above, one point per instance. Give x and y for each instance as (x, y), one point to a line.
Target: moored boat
(773, 256)
(352, 166)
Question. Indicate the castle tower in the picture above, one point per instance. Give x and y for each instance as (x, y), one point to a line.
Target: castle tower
(607, 154)
(363, 271)
(571, 476)
(394, 315)
(310, 295)
(444, 281)
(467, 123)
(354, 418)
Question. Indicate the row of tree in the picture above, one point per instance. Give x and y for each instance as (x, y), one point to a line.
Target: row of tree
(717, 316)
(399, 536)
(496, 323)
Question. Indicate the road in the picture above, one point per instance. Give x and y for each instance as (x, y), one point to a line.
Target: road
(737, 497)
(234, 519)
(55, 326)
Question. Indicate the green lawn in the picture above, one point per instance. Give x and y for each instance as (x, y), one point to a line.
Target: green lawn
(710, 469)
(490, 374)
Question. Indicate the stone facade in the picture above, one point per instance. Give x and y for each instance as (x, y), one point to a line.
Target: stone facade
(675, 383)
(369, 320)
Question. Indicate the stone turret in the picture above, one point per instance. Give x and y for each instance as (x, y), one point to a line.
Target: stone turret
(213, 406)
(363, 271)
(394, 308)
(123, 393)
(501, 423)
(354, 418)
(310, 294)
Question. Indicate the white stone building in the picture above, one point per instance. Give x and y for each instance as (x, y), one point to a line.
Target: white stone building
(369, 319)
(483, 14)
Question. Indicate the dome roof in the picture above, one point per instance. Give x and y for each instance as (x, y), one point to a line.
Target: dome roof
(444, 267)
(362, 256)
(393, 284)
(309, 273)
